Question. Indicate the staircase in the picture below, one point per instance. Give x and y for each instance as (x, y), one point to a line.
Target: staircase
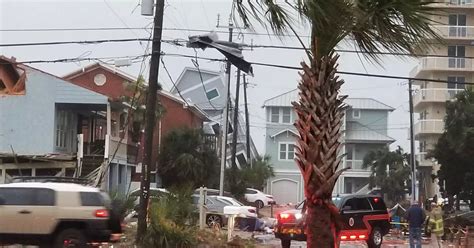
(90, 163)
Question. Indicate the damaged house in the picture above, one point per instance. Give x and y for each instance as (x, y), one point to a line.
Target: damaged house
(51, 127)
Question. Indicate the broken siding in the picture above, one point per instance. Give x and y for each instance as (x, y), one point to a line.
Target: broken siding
(28, 120)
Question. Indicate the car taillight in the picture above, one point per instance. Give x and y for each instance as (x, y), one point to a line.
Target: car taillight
(269, 196)
(252, 211)
(101, 213)
(285, 216)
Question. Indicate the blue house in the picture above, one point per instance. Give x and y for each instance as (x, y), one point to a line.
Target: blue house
(364, 129)
(51, 127)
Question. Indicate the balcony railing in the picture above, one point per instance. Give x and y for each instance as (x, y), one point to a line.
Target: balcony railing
(425, 127)
(435, 95)
(455, 32)
(454, 3)
(443, 64)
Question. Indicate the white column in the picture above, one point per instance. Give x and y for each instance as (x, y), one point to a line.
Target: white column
(108, 132)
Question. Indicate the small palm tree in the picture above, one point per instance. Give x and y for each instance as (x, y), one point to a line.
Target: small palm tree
(374, 26)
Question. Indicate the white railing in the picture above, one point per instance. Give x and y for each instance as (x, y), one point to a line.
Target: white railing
(429, 127)
(443, 64)
(458, 32)
(435, 95)
(455, 3)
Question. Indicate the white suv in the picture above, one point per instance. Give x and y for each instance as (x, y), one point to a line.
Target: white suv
(54, 215)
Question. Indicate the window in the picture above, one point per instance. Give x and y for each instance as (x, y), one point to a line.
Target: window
(356, 113)
(61, 123)
(45, 197)
(423, 115)
(91, 199)
(249, 191)
(287, 151)
(455, 84)
(212, 94)
(423, 146)
(241, 159)
(357, 204)
(275, 115)
(286, 116)
(456, 54)
(17, 196)
(457, 25)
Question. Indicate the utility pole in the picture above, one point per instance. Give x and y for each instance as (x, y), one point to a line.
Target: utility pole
(225, 118)
(236, 119)
(412, 145)
(150, 115)
(247, 124)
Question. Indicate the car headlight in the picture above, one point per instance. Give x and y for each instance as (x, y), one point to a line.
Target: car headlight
(298, 216)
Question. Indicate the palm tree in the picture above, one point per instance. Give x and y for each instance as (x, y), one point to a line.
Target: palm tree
(374, 26)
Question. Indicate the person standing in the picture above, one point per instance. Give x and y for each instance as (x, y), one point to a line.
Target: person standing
(415, 217)
(436, 223)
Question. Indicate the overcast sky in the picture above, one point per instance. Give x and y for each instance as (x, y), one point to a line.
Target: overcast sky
(188, 14)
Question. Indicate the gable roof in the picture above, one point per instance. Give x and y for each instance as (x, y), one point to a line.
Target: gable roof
(104, 66)
(131, 78)
(285, 100)
(187, 69)
(285, 131)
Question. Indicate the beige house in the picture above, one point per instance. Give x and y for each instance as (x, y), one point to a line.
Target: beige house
(452, 62)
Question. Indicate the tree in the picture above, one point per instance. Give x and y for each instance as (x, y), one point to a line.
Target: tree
(390, 171)
(374, 26)
(455, 148)
(186, 157)
(250, 176)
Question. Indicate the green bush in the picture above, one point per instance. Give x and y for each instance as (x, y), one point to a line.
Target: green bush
(172, 220)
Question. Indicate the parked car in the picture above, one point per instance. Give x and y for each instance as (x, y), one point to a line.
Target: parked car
(55, 215)
(259, 198)
(213, 192)
(155, 193)
(215, 209)
(364, 217)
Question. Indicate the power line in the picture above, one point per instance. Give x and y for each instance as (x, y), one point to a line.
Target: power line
(254, 63)
(196, 64)
(172, 81)
(179, 42)
(139, 28)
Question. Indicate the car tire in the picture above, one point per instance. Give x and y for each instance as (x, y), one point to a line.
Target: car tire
(70, 238)
(259, 204)
(375, 238)
(285, 243)
(213, 219)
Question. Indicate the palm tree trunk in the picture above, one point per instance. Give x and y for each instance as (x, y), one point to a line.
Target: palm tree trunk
(320, 114)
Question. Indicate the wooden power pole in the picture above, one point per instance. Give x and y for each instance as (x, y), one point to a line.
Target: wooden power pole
(150, 120)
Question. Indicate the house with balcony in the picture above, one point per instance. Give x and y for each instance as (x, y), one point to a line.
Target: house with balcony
(364, 130)
(206, 89)
(51, 127)
(114, 83)
(451, 62)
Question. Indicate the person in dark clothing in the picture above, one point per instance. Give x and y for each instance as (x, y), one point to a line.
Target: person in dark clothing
(416, 217)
